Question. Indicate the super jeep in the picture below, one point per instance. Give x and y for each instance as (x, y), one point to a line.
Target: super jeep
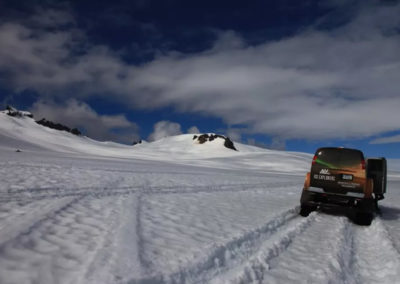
(342, 177)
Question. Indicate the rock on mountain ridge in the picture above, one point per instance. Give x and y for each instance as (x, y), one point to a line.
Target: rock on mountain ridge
(11, 111)
(17, 113)
(58, 126)
(203, 138)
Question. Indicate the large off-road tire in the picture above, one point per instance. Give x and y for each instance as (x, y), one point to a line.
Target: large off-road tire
(365, 212)
(305, 210)
(364, 218)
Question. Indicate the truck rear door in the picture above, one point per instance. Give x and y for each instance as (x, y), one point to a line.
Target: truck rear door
(338, 170)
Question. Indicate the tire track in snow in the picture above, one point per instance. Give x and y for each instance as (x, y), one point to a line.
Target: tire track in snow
(123, 252)
(98, 267)
(342, 263)
(323, 249)
(60, 247)
(390, 233)
(34, 194)
(28, 245)
(145, 263)
(253, 267)
(125, 260)
(387, 219)
(284, 227)
(35, 213)
(356, 255)
(376, 255)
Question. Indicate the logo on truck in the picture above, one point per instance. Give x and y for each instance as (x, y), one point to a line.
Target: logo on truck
(324, 172)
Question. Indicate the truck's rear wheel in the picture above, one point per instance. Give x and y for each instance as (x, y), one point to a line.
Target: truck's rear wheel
(365, 212)
(305, 209)
(364, 218)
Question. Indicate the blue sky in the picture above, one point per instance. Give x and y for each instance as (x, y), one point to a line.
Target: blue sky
(291, 75)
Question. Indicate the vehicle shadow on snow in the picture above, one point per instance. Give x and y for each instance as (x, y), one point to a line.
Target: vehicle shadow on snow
(336, 211)
(385, 212)
(340, 211)
(389, 213)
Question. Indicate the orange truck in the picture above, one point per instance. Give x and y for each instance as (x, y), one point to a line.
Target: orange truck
(343, 177)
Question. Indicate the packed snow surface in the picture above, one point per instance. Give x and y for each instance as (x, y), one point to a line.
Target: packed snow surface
(74, 210)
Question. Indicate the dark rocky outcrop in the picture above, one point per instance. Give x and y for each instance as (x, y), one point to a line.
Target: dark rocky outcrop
(203, 138)
(229, 144)
(16, 113)
(137, 142)
(76, 131)
(58, 126)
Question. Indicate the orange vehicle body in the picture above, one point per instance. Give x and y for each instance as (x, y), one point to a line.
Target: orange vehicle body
(339, 177)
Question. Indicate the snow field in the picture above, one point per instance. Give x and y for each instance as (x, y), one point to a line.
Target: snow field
(119, 222)
(79, 211)
(70, 231)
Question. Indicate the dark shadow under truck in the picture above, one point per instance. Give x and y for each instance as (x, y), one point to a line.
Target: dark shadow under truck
(342, 177)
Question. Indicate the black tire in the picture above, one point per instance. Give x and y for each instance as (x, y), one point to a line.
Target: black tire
(364, 218)
(305, 210)
(365, 212)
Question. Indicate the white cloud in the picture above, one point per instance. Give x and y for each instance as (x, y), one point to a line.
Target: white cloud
(193, 130)
(278, 144)
(78, 114)
(164, 129)
(341, 83)
(251, 141)
(234, 134)
(385, 140)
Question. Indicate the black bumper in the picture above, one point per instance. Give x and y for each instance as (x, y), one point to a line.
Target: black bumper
(328, 199)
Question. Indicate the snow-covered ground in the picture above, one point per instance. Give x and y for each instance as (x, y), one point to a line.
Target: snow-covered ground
(74, 210)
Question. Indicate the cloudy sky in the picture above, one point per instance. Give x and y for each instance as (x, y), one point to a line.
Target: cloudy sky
(282, 74)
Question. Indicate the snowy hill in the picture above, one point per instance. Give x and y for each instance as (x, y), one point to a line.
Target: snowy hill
(24, 134)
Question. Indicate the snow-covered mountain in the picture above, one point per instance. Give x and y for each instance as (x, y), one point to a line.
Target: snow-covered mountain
(25, 131)
(25, 134)
(75, 210)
